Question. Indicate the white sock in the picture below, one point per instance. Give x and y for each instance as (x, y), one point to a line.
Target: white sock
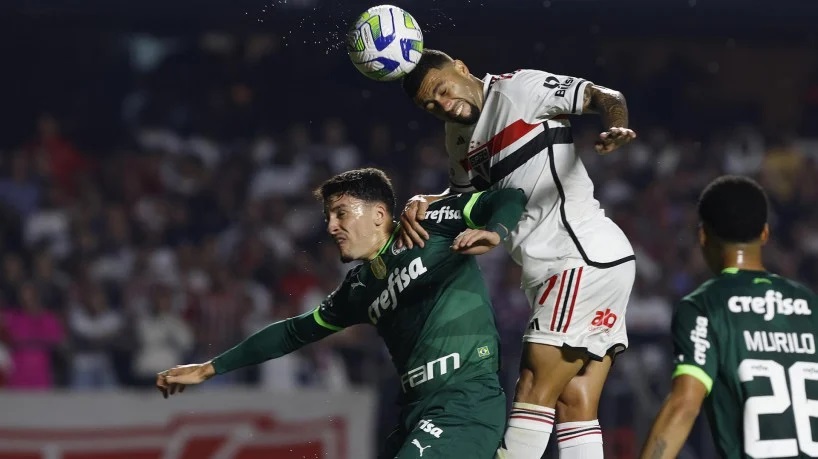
(528, 431)
(580, 440)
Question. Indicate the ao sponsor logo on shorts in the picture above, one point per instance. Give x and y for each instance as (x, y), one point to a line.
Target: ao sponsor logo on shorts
(769, 305)
(698, 336)
(429, 427)
(429, 370)
(444, 213)
(604, 318)
(398, 280)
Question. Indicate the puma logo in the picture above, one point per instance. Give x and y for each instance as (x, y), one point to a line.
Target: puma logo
(420, 447)
(357, 283)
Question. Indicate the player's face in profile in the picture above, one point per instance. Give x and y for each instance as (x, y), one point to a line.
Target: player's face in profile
(450, 94)
(351, 224)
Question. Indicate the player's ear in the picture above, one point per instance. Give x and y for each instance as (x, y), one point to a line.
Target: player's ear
(702, 236)
(460, 67)
(765, 234)
(380, 214)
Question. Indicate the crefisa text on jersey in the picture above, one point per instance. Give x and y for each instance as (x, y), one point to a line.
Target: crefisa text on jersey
(398, 280)
(769, 305)
(444, 213)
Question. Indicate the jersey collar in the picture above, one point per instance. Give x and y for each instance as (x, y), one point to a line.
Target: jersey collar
(735, 270)
(389, 241)
(377, 265)
(486, 86)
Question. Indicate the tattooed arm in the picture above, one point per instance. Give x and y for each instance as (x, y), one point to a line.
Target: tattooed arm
(611, 106)
(674, 421)
(608, 103)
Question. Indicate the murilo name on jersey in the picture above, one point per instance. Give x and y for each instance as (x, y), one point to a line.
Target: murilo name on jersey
(784, 342)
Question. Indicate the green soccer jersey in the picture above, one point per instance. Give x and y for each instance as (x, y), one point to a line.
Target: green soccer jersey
(430, 305)
(749, 337)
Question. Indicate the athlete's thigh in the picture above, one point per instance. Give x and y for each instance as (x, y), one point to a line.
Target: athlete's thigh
(582, 308)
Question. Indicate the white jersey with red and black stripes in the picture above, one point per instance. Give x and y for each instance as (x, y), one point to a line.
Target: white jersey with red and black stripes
(576, 271)
(523, 140)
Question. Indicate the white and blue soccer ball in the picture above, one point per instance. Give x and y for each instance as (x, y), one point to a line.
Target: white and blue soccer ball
(385, 43)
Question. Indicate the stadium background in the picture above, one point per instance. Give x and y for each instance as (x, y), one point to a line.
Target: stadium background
(155, 166)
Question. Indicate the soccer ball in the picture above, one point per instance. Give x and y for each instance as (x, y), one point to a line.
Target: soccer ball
(385, 43)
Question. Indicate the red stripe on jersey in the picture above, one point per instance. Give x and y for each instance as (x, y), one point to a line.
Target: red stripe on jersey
(557, 303)
(573, 300)
(508, 135)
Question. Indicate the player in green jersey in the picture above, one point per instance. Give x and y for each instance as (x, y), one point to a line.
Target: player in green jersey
(744, 342)
(430, 305)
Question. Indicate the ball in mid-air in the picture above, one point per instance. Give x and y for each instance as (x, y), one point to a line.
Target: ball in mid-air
(385, 43)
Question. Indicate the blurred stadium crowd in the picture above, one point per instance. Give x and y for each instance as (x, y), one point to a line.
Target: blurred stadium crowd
(159, 210)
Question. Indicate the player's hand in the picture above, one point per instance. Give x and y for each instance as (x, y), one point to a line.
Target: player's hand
(613, 138)
(177, 378)
(475, 242)
(411, 232)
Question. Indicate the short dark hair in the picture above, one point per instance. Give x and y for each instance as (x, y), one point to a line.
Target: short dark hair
(368, 184)
(430, 59)
(734, 208)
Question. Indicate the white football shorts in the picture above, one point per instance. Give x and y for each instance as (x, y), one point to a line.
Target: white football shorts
(582, 308)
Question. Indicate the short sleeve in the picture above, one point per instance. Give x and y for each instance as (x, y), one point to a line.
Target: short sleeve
(543, 95)
(694, 346)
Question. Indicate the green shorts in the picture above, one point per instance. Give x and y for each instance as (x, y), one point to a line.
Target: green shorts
(465, 420)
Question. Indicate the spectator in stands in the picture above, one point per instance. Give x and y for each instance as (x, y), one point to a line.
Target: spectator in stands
(34, 334)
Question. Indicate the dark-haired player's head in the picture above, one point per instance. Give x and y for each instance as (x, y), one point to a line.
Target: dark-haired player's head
(733, 215)
(444, 87)
(358, 205)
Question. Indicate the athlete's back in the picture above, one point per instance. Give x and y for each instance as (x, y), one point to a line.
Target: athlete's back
(749, 336)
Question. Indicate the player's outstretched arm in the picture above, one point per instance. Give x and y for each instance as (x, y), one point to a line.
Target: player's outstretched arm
(611, 106)
(490, 216)
(675, 419)
(273, 341)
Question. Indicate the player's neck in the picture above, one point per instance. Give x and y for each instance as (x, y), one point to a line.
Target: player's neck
(743, 256)
(381, 240)
(478, 88)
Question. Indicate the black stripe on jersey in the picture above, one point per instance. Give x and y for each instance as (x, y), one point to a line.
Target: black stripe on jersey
(565, 302)
(576, 96)
(540, 142)
(561, 191)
